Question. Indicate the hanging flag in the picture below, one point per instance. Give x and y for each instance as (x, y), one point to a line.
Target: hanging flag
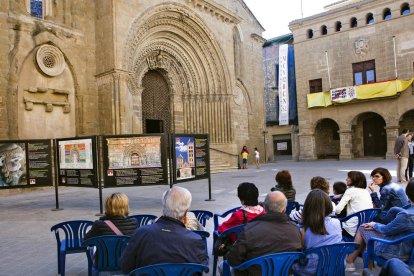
(343, 93)
(283, 85)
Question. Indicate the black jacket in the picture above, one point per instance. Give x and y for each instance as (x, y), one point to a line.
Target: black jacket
(266, 234)
(99, 228)
(165, 241)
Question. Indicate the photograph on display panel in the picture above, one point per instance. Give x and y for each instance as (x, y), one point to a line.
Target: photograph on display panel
(185, 157)
(134, 152)
(76, 154)
(13, 164)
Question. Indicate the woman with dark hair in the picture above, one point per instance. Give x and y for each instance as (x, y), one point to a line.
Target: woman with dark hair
(392, 195)
(401, 225)
(318, 229)
(356, 198)
(248, 195)
(284, 185)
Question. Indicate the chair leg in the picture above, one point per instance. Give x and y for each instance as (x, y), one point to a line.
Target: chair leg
(62, 264)
(215, 265)
(58, 262)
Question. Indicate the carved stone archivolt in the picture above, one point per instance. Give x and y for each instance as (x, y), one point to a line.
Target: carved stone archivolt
(50, 60)
(171, 39)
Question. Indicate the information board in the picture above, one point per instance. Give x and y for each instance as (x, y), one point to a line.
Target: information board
(25, 163)
(134, 160)
(191, 158)
(77, 164)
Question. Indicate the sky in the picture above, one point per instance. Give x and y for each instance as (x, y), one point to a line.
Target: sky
(275, 15)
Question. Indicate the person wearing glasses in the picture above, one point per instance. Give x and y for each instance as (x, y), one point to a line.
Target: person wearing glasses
(391, 194)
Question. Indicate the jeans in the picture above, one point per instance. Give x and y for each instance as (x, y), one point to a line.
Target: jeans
(395, 267)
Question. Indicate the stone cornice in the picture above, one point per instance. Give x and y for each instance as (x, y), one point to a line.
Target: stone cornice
(216, 10)
(113, 71)
(258, 38)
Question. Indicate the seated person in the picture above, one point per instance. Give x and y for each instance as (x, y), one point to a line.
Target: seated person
(339, 189)
(401, 225)
(268, 233)
(284, 184)
(396, 267)
(248, 195)
(316, 182)
(392, 194)
(356, 198)
(167, 240)
(318, 229)
(116, 212)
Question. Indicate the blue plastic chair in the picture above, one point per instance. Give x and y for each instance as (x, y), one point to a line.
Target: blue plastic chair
(332, 257)
(272, 264)
(144, 219)
(204, 235)
(292, 205)
(74, 232)
(182, 269)
(363, 216)
(216, 217)
(108, 251)
(369, 254)
(234, 230)
(202, 216)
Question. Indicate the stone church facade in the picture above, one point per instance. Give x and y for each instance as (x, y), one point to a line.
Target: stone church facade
(130, 67)
(364, 45)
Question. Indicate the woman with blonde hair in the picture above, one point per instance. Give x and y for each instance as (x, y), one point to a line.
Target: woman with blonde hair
(115, 218)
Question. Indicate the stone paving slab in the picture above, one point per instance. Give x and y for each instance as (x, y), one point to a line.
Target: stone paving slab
(27, 247)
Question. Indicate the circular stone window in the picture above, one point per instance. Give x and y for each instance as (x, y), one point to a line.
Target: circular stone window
(50, 60)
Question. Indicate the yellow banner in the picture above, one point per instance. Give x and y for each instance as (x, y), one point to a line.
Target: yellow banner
(366, 91)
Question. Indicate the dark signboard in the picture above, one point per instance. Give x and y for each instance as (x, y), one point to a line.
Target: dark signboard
(134, 160)
(191, 158)
(25, 163)
(77, 165)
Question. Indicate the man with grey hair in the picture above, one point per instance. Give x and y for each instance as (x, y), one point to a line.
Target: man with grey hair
(167, 240)
(269, 233)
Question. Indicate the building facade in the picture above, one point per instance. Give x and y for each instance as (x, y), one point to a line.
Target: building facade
(281, 140)
(73, 68)
(354, 74)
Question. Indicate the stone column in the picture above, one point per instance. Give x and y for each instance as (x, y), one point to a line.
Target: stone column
(392, 134)
(307, 146)
(345, 137)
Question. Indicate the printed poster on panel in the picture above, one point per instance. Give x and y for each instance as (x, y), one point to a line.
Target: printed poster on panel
(76, 154)
(185, 157)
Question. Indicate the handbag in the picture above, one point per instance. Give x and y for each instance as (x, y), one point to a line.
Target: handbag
(223, 244)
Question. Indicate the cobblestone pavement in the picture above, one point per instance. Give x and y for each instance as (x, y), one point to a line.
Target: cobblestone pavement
(27, 247)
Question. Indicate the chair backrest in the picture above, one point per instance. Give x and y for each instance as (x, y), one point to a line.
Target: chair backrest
(292, 205)
(332, 257)
(181, 269)
(202, 216)
(108, 251)
(204, 235)
(74, 232)
(144, 219)
(363, 216)
(272, 264)
(223, 215)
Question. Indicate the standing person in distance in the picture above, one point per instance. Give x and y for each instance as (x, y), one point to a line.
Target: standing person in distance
(244, 153)
(257, 158)
(401, 153)
(409, 170)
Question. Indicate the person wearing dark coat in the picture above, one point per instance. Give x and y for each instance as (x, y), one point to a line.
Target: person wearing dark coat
(167, 240)
(116, 211)
(269, 233)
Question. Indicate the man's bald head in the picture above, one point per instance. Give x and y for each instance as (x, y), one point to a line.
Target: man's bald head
(275, 202)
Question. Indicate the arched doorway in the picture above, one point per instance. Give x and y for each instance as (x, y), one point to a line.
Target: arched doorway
(327, 142)
(407, 121)
(369, 136)
(156, 111)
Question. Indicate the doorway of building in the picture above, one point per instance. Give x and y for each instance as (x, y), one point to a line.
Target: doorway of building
(282, 147)
(156, 110)
(375, 139)
(327, 141)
